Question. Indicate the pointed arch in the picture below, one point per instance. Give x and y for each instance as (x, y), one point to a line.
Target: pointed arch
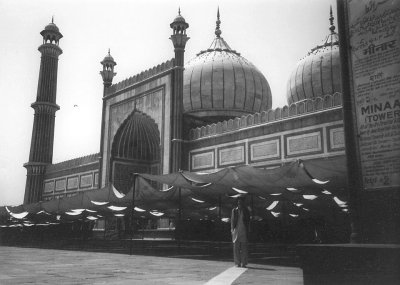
(135, 148)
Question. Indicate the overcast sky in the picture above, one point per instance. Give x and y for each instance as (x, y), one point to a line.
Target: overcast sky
(273, 34)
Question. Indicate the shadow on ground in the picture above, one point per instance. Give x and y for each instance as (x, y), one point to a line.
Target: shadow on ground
(259, 253)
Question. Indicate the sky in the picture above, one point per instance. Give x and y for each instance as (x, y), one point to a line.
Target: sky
(272, 34)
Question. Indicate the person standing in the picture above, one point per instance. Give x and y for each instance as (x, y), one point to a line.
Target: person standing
(240, 220)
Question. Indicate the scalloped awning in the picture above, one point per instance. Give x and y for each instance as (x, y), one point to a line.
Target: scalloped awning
(303, 188)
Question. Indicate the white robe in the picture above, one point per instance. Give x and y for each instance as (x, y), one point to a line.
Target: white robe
(239, 232)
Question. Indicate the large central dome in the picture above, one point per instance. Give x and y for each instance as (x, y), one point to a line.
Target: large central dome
(221, 84)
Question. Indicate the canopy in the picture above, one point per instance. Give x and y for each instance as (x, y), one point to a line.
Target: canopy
(295, 189)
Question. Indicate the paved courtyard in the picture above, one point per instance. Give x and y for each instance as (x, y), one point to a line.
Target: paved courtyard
(49, 266)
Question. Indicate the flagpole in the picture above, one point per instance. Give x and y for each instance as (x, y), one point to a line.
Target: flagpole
(132, 210)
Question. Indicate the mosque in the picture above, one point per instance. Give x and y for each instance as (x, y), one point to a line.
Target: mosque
(209, 113)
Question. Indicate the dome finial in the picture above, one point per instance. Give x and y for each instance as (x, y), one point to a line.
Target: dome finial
(179, 10)
(109, 51)
(52, 19)
(218, 22)
(332, 27)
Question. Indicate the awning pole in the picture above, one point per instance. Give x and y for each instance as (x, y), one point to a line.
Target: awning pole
(84, 232)
(179, 217)
(252, 205)
(105, 227)
(252, 214)
(220, 234)
(132, 211)
(219, 207)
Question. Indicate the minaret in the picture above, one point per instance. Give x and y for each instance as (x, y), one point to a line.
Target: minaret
(41, 152)
(107, 74)
(179, 39)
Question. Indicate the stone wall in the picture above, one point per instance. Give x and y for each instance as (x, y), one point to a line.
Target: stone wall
(69, 177)
(311, 129)
(140, 77)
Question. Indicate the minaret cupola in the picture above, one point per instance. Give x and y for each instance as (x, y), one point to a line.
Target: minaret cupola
(51, 34)
(179, 37)
(179, 24)
(108, 73)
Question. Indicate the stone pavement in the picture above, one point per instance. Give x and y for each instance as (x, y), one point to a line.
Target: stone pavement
(50, 266)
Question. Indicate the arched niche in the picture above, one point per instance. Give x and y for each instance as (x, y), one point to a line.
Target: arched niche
(135, 149)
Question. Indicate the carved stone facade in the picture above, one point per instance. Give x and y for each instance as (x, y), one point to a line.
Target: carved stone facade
(264, 143)
(67, 178)
(152, 97)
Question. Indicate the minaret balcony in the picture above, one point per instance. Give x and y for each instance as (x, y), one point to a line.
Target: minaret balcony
(179, 40)
(45, 107)
(50, 50)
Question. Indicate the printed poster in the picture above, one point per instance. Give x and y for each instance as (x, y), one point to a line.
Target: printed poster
(374, 35)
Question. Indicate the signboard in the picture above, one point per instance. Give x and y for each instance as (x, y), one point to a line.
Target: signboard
(374, 37)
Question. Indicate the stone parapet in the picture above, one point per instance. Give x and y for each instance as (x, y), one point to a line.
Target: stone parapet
(140, 77)
(296, 109)
(73, 163)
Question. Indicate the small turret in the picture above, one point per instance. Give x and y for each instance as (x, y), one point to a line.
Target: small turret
(179, 37)
(51, 34)
(108, 69)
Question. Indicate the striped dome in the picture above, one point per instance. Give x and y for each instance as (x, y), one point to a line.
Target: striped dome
(52, 27)
(137, 138)
(220, 84)
(317, 74)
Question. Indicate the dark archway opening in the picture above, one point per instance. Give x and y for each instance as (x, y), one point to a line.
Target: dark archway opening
(135, 149)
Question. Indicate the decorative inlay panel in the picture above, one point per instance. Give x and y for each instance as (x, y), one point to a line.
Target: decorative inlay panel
(86, 180)
(202, 160)
(304, 143)
(72, 183)
(49, 186)
(96, 179)
(265, 150)
(231, 155)
(336, 138)
(60, 185)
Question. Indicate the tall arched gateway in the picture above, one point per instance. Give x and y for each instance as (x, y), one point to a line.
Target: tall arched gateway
(135, 148)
